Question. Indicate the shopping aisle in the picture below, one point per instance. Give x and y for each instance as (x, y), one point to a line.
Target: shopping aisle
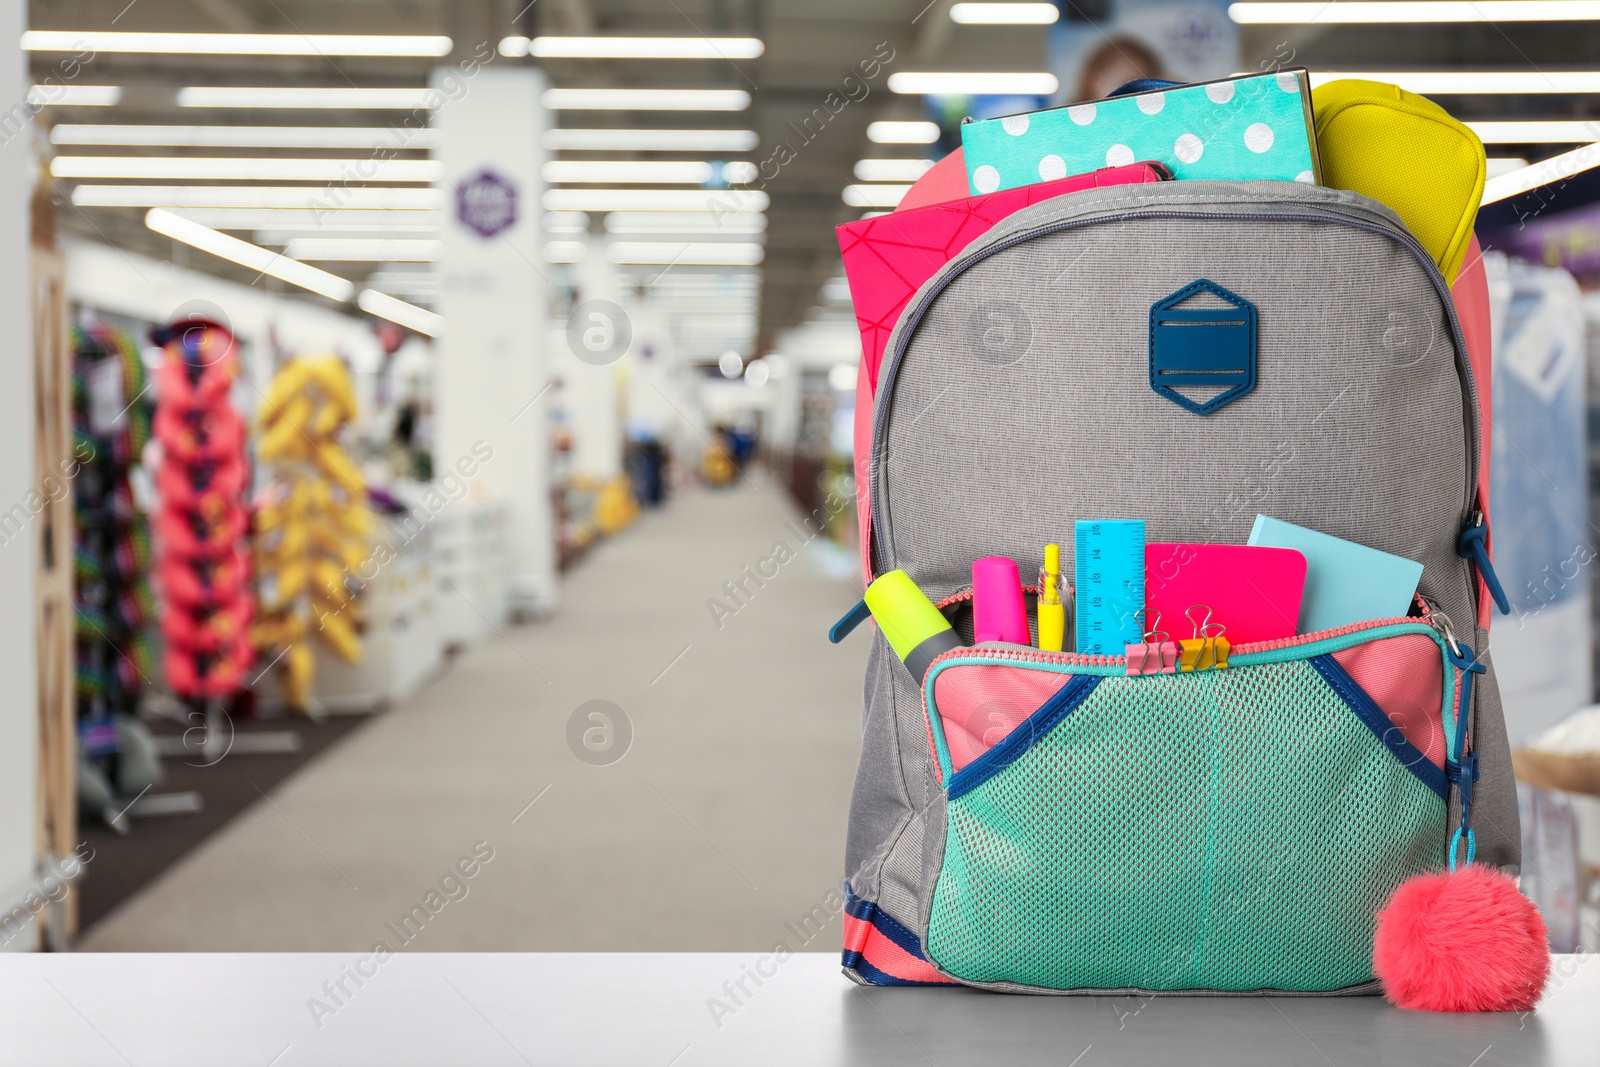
(721, 829)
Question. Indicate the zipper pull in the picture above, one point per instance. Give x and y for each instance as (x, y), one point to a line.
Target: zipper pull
(852, 618)
(1472, 546)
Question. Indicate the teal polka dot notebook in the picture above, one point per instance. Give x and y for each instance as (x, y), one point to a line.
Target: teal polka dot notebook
(1257, 126)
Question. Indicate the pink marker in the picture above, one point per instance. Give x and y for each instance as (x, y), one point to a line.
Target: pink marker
(998, 613)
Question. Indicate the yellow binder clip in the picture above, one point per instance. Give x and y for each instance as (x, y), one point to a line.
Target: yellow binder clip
(1207, 650)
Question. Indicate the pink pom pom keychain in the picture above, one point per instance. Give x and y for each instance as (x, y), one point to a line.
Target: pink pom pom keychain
(1466, 939)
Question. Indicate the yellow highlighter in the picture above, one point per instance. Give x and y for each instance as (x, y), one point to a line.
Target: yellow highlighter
(916, 629)
(1052, 612)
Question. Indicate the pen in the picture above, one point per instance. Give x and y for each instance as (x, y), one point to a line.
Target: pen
(1052, 613)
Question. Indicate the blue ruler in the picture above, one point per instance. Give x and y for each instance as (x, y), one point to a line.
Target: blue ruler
(1108, 571)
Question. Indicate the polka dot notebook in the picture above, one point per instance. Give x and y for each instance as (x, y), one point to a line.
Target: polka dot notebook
(1257, 126)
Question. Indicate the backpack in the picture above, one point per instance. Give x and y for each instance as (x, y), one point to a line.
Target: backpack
(1224, 831)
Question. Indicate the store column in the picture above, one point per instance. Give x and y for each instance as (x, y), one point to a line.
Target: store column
(491, 376)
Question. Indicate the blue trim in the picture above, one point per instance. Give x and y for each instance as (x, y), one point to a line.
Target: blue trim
(1382, 727)
(1028, 732)
(1203, 347)
(877, 977)
(886, 924)
(1472, 546)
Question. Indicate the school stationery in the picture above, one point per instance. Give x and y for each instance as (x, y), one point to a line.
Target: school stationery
(1255, 126)
(1345, 582)
(1052, 612)
(1108, 567)
(914, 627)
(1207, 649)
(998, 612)
(1254, 591)
(1407, 153)
(888, 257)
(1156, 654)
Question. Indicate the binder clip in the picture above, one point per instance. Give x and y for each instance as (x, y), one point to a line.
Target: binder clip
(1156, 654)
(1207, 650)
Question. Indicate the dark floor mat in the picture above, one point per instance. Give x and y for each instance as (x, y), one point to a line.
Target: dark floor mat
(124, 865)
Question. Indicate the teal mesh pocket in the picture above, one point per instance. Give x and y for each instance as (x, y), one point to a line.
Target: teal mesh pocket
(1228, 830)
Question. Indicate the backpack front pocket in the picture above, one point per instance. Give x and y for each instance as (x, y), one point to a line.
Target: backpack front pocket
(1230, 830)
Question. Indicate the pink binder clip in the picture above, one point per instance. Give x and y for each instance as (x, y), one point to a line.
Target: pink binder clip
(1157, 654)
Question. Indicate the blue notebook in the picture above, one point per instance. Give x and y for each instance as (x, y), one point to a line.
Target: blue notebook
(1345, 582)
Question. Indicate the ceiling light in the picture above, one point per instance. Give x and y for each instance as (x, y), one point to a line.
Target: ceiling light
(842, 377)
(1429, 82)
(565, 251)
(74, 95)
(903, 132)
(212, 168)
(364, 251)
(258, 196)
(410, 316)
(370, 137)
(646, 99)
(248, 255)
(302, 220)
(627, 171)
(723, 203)
(650, 140)
(1569, 131)
(566, 222)
(298, 96)
(334, 233)
(956, 83)
(875, 195)
(709, 253)
(633, 47)
(1498, 165)
(992, 14)
(1390, 11)
(731, 364)
(1542, 173)
(683, 222)
(235, 44)
(892, 170)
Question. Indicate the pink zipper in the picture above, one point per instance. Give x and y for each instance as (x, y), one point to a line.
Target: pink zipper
(1089, 660)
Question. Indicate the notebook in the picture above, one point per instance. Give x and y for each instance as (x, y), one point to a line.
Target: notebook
(1254, 592)
(1345, 582)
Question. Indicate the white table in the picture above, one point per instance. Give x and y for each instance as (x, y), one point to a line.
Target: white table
(657, 1010)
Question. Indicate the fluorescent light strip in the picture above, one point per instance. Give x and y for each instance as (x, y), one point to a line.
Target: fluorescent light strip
(650, 140)
(687, 254)
(212, 168)
(994, 14)
(886, 132)
(309, 198)
(1498, 165)
(875, 195)
(1565, 131)
(74, 95)
(1542, 173)
(302, 220)
(633, 47)
(627, 171)
(235, 44)
(327, 249)
(646, 99)
(722, 201)
(566, 222)
(1476, 81)
(683, 222)
(1397, 11)
(955, 83)
(336, 233)
(248, 255)
(295, 96)
(419, 320)
(368, 137)
(892, 170)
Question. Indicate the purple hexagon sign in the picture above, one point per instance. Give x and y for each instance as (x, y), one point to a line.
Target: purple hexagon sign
(487, 203)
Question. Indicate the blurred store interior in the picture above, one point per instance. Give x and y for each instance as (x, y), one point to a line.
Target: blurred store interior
(530, 373)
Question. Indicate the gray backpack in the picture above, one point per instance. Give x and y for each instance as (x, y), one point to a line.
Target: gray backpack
(1224, 831)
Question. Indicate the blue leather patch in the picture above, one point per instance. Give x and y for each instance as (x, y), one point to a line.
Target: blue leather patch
(1203, 348)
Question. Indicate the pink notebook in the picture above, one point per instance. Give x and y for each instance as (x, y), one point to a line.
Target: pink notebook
(1253, 591)
(887, 258)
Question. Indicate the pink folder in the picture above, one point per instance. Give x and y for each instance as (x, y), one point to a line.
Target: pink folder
(1253, 591)
(887, 258)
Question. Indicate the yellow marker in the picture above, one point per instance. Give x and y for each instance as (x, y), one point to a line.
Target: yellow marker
(1052, 612)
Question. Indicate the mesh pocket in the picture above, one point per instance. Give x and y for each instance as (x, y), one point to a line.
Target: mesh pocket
(1229, 830)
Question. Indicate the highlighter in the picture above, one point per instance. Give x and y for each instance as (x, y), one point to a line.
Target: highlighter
(1052, 612)
(998, 613)
(915, 628)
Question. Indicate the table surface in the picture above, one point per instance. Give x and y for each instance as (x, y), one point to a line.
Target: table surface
(681, 1010)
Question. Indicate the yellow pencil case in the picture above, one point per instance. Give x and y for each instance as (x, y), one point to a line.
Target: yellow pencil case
(1407, 153)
